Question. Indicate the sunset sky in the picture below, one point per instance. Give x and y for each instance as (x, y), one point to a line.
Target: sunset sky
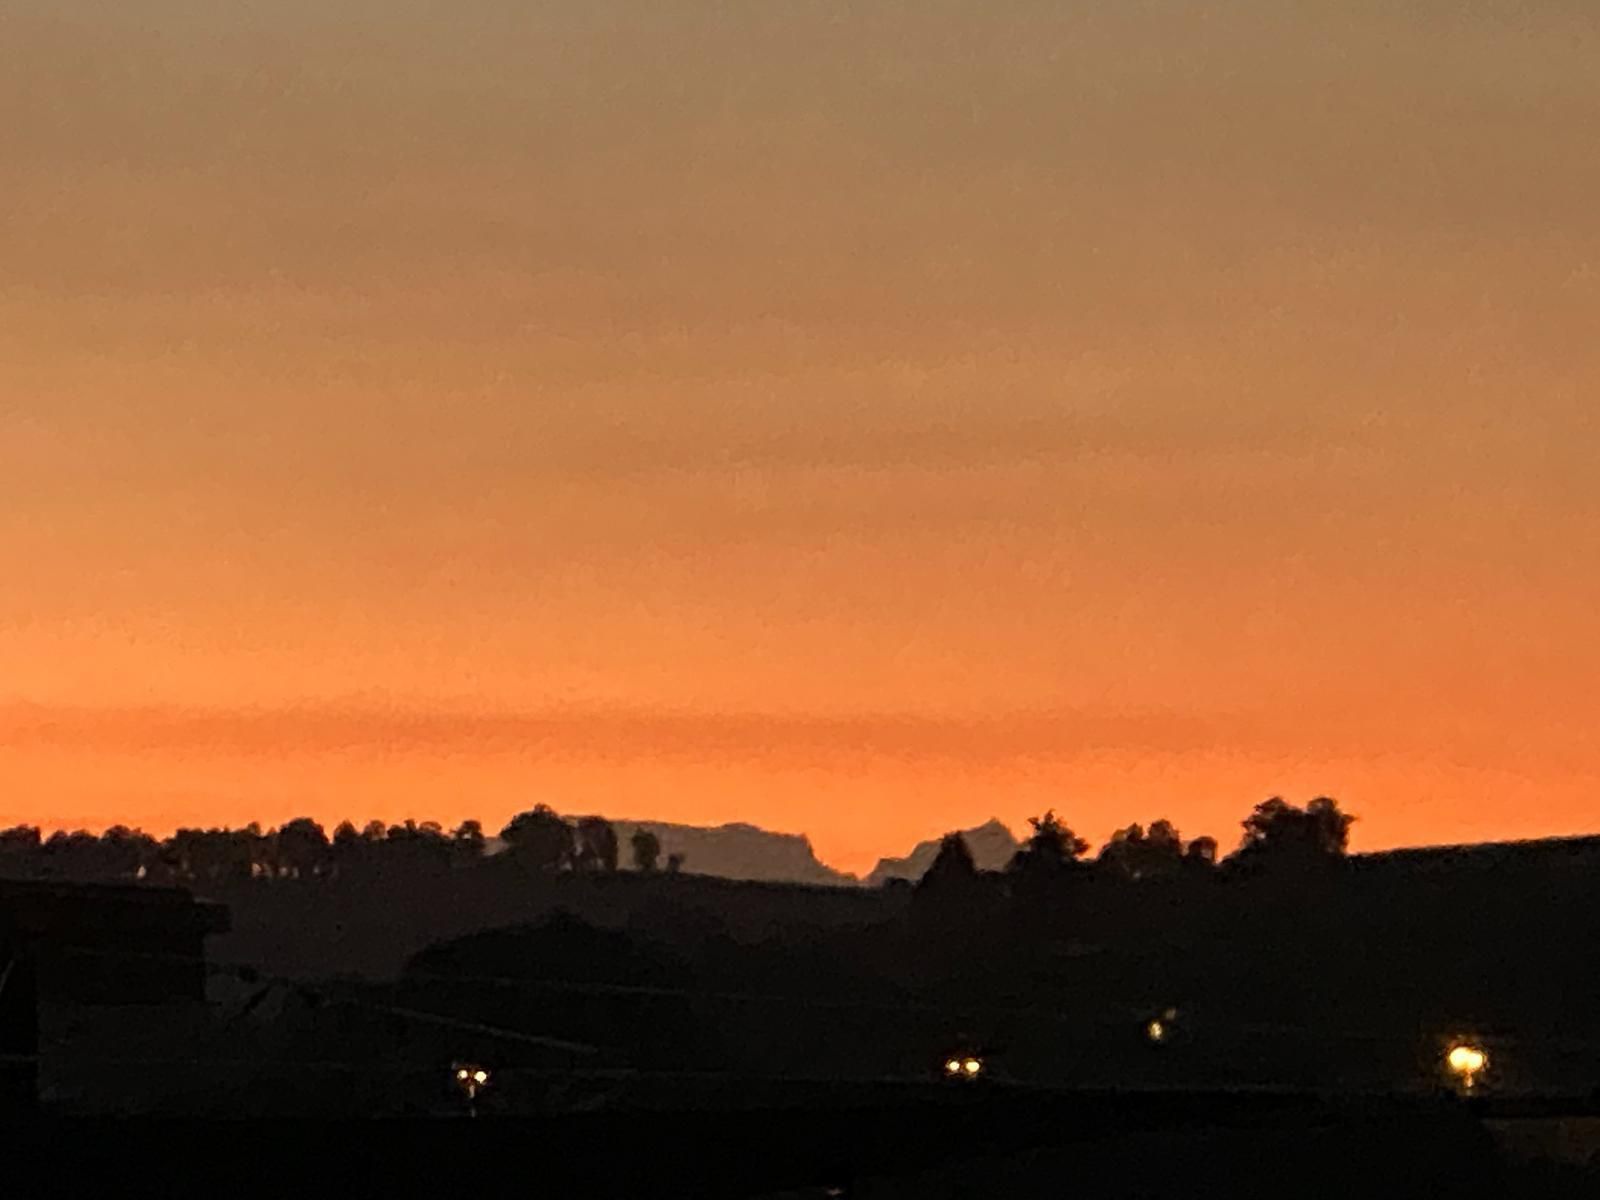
(860, 419)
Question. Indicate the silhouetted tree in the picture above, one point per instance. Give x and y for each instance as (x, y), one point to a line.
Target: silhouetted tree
(127, 854)
(72, 855)
(467, 843)
(1278, 830)
(1164, 840)
(953, 867)
(119, 854)
(302, 848)
(646, 850)
(250, 847)
(1201, 853)
(539, 838)
(344, 851)
(1135, 854)
(24, 837)
(210, 855)
(1121, 853)
(596, 845)
(178, 855)
(1333, 825)
(952, 888)
(20, 851)
(1051, 846)
(413, 845)
(1044, 865)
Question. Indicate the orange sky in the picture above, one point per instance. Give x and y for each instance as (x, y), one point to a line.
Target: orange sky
(861, 419)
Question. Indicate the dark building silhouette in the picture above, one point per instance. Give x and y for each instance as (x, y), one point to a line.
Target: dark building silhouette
(91, 946)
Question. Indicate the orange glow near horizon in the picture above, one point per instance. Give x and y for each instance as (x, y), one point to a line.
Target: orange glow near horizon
(857, 427)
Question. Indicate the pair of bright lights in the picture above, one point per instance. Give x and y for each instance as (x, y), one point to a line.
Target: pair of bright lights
(970, 1068)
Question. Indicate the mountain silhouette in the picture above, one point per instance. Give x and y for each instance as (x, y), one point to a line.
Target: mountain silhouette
(992, 845)
(740, 851)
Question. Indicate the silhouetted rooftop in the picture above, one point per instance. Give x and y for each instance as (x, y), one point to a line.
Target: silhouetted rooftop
(56, 909)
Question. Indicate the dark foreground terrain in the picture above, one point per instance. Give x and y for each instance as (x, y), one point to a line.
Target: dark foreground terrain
(858, 1143)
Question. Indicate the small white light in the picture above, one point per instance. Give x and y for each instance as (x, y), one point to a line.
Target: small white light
(1156, 1031)
(953, 1067)
(973, 1066)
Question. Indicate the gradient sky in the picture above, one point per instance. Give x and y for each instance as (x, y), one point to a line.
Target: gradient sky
(860, 419)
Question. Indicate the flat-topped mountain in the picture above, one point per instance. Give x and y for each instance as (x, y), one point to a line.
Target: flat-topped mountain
(737, 852)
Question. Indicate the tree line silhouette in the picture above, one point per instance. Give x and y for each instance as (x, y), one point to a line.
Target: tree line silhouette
(302, 849)
(542, 839)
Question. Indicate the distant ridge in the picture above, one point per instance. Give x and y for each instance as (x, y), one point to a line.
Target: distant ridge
(737, 851)
(992, 845)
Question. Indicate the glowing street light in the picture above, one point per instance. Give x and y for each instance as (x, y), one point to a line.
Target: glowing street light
(1159, 1029)
(1466, 1062)
(471, 1079)
(967, 1067)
